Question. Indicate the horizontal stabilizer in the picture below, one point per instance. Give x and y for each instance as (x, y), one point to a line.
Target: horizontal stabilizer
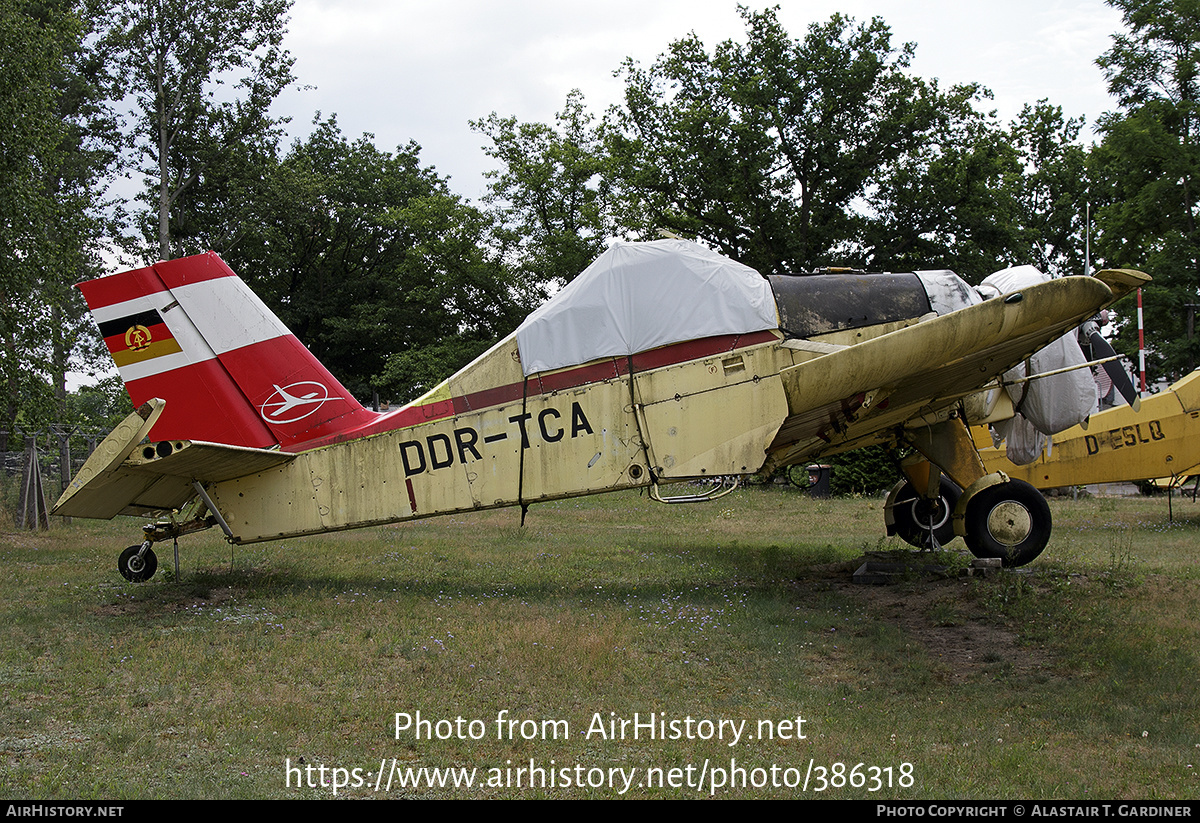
(126, 476)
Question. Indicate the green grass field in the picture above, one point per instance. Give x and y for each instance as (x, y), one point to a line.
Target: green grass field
(278, 669)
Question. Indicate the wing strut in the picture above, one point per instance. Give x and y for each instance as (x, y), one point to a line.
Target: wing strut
(212, 508)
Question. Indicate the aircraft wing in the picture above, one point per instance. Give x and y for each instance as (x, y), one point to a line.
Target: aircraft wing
(840, 397)
(125, 476)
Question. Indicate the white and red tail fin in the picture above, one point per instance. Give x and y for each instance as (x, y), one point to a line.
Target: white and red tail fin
(191, 332)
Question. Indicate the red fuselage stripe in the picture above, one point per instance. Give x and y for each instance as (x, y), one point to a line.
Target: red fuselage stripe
(543, 383)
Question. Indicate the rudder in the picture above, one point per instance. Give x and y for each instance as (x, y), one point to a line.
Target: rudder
(191, 332)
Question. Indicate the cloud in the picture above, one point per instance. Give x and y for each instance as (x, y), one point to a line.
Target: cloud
(421, 71)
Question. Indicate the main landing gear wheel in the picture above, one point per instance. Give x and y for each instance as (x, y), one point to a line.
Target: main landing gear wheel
(137, 569)
(914, 517)
(1009, 520)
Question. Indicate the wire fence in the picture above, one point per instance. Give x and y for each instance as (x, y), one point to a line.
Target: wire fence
(36, 467)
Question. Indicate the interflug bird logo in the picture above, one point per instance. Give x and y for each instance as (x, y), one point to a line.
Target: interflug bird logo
(294, 402)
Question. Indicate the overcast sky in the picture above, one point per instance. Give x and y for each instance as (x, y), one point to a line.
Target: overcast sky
(418, 70)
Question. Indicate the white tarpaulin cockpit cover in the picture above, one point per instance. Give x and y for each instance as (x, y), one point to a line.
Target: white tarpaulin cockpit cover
(639, 296)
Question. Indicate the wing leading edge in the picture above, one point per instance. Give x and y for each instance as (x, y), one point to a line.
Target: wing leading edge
(847, 394)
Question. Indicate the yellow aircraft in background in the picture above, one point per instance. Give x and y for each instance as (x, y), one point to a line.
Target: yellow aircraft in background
(1161, 441)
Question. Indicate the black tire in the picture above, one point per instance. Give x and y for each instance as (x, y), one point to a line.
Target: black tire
(798, 476)
(1009, 520)
(913, 514)
(137, 570)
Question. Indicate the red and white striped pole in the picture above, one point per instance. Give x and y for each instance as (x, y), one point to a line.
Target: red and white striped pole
(1141, 346)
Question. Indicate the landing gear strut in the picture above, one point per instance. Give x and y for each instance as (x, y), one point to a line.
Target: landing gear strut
(995, 515)
(138, 563)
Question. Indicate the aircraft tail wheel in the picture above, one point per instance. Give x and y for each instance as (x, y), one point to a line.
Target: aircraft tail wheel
(137, 566)
(913, 516)
(1009, 520)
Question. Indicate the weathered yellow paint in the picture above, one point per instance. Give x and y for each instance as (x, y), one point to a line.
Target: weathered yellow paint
(713, 417)
(978, 339)
(602, 436)
(101, 488)
(914, 375)
(948, 445)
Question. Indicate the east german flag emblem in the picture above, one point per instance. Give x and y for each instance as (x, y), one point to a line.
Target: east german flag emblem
(138, 337)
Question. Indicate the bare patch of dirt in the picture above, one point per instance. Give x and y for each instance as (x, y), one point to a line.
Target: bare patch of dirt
(181, 601)
(946, 617)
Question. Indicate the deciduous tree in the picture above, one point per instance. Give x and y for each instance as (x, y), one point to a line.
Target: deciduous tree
(765, 149)
(371, 260)
(551, 194)
(30, 52)
(1051, 189)
(1147, 168)
(54, 152)
(201, 76)
(948, 201)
